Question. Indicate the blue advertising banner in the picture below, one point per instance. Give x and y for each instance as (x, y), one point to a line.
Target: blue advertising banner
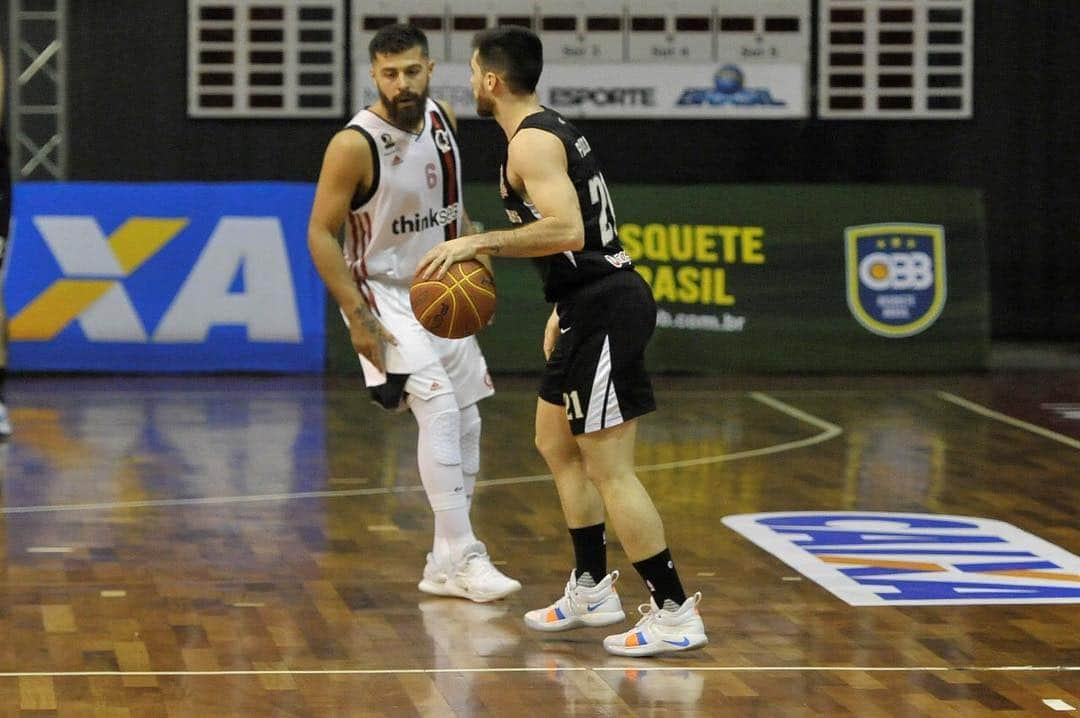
(186, 277)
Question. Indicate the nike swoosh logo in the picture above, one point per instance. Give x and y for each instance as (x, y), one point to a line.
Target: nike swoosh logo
(593, 606)
(681, 644)
(564, 331)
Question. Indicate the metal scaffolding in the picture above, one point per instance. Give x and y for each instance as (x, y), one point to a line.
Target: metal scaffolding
(37, 83)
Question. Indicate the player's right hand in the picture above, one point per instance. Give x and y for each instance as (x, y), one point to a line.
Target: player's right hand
(369, 337)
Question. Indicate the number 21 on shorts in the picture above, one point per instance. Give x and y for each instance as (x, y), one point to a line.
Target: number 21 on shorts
(573, 406)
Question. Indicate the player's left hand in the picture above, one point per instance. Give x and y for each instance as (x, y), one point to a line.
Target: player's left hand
(438, 260)
(551, 334)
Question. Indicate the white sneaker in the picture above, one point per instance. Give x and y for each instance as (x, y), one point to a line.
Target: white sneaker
(5, 422)
(434, 578)
(661, 631)
(580, 606)
(472, 577)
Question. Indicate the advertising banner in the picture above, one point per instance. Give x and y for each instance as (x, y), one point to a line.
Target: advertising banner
(779, 278)
(163, 278)
(701, 90)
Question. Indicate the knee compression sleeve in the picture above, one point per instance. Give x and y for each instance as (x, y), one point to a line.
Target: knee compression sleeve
(438, 450)
(470, 440)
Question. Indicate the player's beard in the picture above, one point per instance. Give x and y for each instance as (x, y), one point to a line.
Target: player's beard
(485, 106)
(406, 117)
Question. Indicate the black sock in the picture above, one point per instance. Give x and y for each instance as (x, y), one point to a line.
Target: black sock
(662, 579)
(590, 553)
(3, 378)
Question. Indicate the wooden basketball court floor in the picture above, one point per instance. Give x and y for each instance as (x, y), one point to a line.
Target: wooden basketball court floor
(250, 546)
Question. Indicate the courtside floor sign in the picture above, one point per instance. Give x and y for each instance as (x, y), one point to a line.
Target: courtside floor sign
(900, 559)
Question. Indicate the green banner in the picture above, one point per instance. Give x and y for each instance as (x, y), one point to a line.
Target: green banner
(775, 278)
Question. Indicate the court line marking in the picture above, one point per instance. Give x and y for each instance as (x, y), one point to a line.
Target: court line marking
(828, 431)
(1005, 418)
(546, 669)
(1057, 704)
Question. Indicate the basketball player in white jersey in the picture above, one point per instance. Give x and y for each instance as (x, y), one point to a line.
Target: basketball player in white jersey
(392, 178)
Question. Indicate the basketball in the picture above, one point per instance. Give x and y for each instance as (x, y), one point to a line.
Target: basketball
(458, 305)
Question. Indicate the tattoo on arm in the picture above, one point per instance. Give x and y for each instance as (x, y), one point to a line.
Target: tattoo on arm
(367, 319)
(499, 240)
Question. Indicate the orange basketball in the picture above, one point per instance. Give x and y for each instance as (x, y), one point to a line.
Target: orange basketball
(458, 305)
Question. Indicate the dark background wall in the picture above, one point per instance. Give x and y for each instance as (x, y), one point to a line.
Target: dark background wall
(128, 121)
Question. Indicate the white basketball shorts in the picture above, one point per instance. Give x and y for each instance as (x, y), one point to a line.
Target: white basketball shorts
(434, 365)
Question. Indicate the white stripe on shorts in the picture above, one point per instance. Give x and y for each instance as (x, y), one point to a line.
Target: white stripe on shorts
(603, 403)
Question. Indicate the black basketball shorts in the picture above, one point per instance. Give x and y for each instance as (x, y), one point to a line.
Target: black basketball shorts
(597, 369)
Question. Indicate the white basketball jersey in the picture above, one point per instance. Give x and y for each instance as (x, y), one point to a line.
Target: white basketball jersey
(415, 199)
(414, 203)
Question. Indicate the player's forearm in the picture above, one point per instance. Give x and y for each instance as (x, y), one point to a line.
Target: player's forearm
(549, 235)
(326, 255)
(469, 227)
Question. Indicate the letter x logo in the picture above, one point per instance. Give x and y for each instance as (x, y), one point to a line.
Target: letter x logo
(91, 290)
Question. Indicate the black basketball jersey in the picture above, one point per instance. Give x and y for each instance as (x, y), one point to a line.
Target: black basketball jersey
(602, 254)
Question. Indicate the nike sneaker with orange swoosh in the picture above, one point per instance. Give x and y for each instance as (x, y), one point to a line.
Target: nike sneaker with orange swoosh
(661, 631)
(598, 605)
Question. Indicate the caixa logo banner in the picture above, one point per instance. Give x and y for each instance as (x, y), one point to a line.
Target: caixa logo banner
(163, 278)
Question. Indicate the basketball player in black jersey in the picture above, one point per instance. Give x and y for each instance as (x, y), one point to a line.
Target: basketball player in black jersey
(594, 385)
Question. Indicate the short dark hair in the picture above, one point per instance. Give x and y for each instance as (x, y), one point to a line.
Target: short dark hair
(393, 39)
(513, 52)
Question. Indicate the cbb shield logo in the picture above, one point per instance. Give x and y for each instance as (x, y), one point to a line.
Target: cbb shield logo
(895, 276)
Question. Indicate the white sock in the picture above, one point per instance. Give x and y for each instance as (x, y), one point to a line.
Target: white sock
(453, 534)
